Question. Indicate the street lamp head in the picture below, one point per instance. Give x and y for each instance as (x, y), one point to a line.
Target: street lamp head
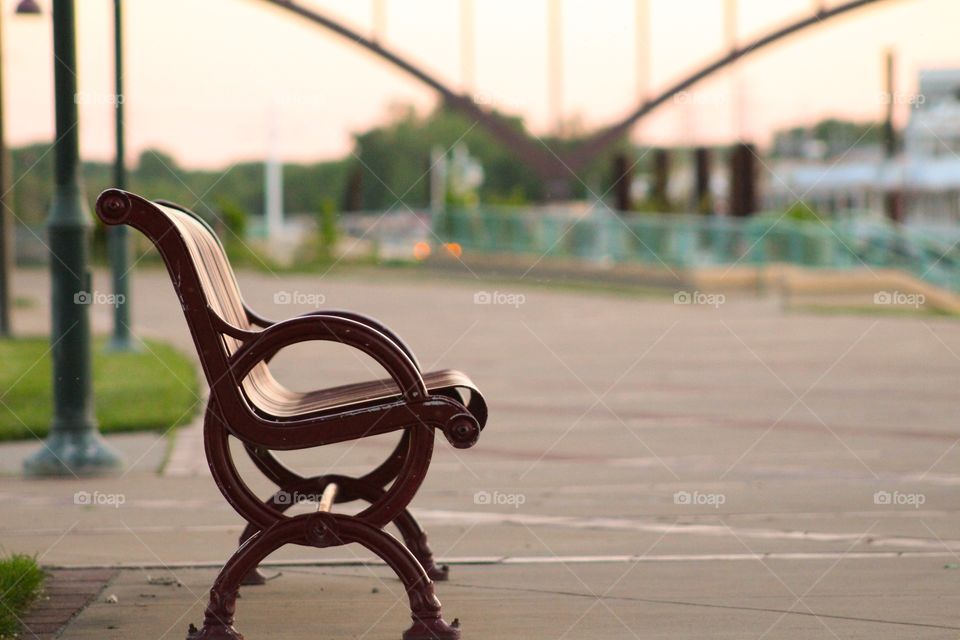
(28, 8)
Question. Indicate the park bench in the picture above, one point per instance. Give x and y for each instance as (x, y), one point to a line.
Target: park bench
(235, 346)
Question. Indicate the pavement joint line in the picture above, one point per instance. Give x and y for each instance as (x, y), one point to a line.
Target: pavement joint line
(710, 530)
(685, 603)
(530, 560)
(446, 517)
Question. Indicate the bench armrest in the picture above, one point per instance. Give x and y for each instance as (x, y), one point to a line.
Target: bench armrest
(459, 427)
(331, 328)
(259, 321)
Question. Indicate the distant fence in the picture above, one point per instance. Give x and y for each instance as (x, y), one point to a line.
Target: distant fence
(601, 236)
(685, 241)
(386, 235)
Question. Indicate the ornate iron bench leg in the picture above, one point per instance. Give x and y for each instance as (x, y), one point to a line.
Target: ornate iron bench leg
(413, 534)
(425, 610)
(416, 540)
(325, 530)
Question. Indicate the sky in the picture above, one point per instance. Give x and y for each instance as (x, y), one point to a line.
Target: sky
(207, 82)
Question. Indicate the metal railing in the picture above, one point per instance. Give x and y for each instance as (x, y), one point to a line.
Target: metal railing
(849, 241)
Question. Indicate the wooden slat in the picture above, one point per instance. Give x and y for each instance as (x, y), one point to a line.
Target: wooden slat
(278, 404)
(326, 500)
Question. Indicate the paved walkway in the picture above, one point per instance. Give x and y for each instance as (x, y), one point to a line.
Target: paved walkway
(650, 470)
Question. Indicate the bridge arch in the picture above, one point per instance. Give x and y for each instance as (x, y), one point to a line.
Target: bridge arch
(558, 169)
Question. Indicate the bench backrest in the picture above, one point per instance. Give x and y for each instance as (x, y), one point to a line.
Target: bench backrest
(216, 276)
(202, 277)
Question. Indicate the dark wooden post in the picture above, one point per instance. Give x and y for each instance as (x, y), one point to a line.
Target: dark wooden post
(743, 180)
(353, 197)
(892, 198)
(622, 181)
(703, 164)
(661, 179)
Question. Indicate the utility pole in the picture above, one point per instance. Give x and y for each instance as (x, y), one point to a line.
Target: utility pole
(468, 46)
(730, 21)
(730, 24)
(273, 180)
(555, 62)
(379, 20)
(642, 48)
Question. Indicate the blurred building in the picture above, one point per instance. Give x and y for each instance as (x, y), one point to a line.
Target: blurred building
(926, 170)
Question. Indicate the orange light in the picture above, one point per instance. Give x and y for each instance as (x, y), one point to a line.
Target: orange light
(454, 248)
(421, 250)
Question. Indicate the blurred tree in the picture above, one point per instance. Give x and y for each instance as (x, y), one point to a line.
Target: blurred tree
(390, 161)
(393, 157)
(827, 138)
(231, 216)
(800, 211)
(328, 229)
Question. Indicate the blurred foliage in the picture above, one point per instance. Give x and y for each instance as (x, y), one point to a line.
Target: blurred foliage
(515, 198)
(157, 175)
(800, 211)
(389, 162)
(396, 158)
(232, 216)
(328, 230)
(654, 204)
(829, 137)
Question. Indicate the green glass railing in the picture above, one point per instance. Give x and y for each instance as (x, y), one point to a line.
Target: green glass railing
(853, 240)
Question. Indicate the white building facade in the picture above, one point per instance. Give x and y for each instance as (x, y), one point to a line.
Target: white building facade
(926, 171)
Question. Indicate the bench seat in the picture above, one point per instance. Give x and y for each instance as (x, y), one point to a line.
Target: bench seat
(275, 400)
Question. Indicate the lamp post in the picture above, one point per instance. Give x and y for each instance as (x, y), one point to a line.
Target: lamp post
(74, 446)
(117, 239)
(6, 259)
(25, 7)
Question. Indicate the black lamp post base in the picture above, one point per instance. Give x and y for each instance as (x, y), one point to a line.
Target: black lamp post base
(73, 453)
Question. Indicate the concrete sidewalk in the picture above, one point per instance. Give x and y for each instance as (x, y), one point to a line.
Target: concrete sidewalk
(721, 599)
(650, 470)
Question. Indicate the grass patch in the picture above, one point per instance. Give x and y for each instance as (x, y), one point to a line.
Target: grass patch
(151, 390)
(21, 581)
(827, 309)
